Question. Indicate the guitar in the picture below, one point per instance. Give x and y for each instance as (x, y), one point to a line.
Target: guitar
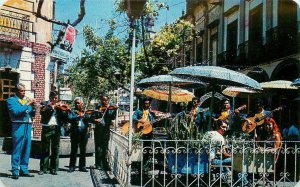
(225, 116)
(145, 128)
(252, 122)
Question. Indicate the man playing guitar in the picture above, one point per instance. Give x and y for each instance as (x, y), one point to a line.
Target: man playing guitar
(229, 116)
(259, 112)
(144, 116)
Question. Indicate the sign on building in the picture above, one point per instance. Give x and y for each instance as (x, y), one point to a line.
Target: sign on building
(61, 54)
(68, 39)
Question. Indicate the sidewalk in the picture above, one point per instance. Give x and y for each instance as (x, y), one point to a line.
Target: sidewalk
(63, 179)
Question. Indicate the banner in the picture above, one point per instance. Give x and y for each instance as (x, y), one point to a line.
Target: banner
(68, 40)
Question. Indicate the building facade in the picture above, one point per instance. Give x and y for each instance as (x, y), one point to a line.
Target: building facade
(24, 53)
(258, 37)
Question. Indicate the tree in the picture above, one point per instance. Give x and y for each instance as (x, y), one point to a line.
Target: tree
(158, 56)
(94, 73)
(165, 46)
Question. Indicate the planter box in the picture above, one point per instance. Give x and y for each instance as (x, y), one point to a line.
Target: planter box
(192, 163)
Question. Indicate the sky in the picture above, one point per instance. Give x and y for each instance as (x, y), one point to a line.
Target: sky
(99, 11)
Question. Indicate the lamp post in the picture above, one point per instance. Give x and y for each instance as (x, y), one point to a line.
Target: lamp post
(134, 9)
(118, 77)
(138, 93)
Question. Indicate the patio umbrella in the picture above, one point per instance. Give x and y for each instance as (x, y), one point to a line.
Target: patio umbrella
(162, 93)
(278, 84)
(296, 82)
(215, 76)
(169, 80)
(233, 91)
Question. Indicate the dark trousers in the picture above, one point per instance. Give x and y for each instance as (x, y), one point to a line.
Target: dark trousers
(101, 138)
(50, 139)
(78, 139)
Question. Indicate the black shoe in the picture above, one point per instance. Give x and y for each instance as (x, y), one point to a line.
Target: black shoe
(83, 169)
(71, 169)
(53, 172)
(26, 175)
(14, 176)
(41, 173)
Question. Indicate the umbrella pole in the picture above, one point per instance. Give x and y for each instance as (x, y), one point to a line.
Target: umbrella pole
(170, 98)
(233, 103)
(248, 103)
(211, 109)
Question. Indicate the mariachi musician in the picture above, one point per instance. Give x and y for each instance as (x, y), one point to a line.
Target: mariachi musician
(52, 119)
(196, 115)
(145, 115)
(21, 110)
(103, 120)
(80, 121)
(229, 116)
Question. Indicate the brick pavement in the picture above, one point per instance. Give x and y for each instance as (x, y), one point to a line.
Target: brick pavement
(63, 179)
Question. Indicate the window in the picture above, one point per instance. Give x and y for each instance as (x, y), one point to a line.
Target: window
(231, 43)
(255, 35)
(6, 88)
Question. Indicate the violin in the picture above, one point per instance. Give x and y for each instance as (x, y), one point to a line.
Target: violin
(63, 107)
(89, 111)
(111, 107)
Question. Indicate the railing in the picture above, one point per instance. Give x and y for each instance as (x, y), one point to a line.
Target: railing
(16, 25)
(118, 156)
(195, 163)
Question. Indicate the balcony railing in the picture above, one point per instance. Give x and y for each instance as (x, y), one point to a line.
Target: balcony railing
(17, 25)
(192, 163)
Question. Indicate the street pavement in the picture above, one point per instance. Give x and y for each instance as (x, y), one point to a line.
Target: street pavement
(63, 179)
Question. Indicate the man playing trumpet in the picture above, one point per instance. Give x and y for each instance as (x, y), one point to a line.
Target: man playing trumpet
(21, 110)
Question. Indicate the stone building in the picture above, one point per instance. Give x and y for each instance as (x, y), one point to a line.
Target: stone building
(24, 53)
(260, 37)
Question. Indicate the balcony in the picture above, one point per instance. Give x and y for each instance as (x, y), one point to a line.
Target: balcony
(17, 25)
(227, 58)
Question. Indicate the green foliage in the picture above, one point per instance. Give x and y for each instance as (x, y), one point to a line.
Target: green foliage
(94, 73)
(165, 46)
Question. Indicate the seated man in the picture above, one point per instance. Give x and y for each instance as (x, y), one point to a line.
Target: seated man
(219, 155)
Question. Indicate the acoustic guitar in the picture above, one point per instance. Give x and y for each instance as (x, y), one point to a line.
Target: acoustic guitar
(145, 128)
(252, 122)
(225, 116)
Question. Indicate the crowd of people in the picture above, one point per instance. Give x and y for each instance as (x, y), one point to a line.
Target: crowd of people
(55, 116)
(259, 125)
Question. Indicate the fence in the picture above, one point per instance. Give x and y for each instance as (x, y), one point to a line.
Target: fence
(118, 156)
(201, 163)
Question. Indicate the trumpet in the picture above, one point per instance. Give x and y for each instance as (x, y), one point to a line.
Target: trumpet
(30, 101)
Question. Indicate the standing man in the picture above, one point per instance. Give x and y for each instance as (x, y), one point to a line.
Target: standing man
(51, 125)
(79, 135)
(21, 110)
(229, 116)
(197, 116)
(144, 115)
(258, 112)
(103, 120)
